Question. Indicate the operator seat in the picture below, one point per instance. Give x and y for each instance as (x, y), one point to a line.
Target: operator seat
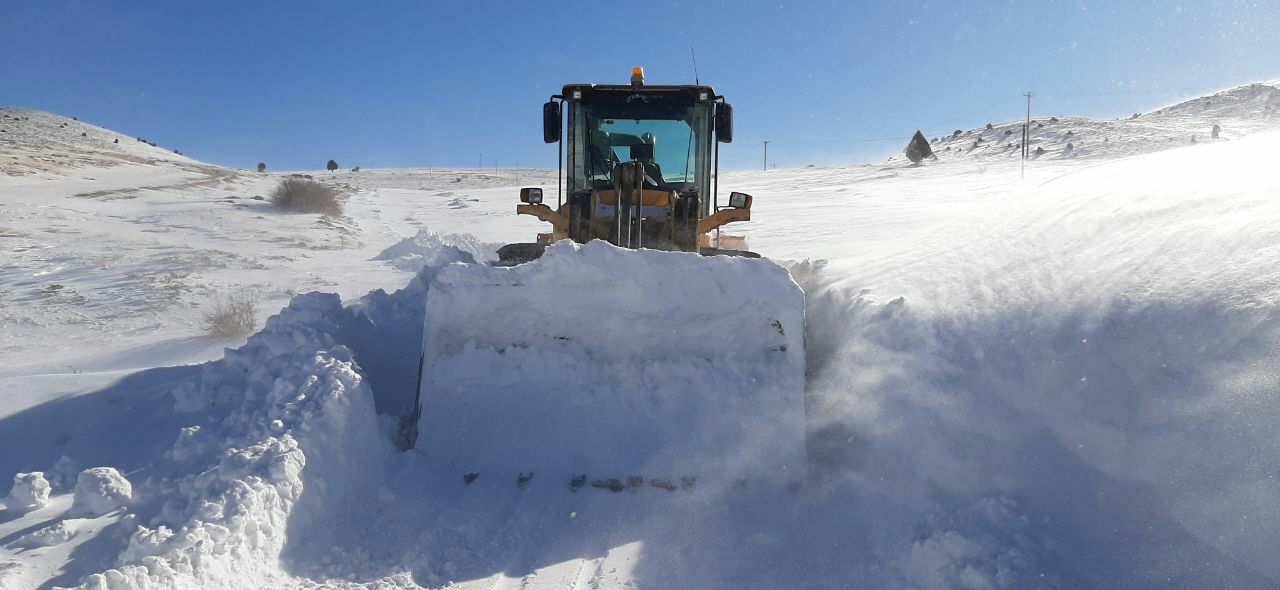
(643, 153)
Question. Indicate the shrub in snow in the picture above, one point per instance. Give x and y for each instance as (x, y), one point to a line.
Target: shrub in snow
(1040, 151)
(306, 196)
(234, 317)
(1213, 133)
(262, 167)
(356, 169)
(988, 126)
(100, 490)
(331, 166)
(956, 133)
(30, 491)
(918, 149)
(1193, 139)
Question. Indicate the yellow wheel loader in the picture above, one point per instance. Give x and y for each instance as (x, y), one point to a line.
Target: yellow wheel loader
(643, 168)
(618, 352)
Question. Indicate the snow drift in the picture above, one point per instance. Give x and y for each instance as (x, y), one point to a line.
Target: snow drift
(291, 430)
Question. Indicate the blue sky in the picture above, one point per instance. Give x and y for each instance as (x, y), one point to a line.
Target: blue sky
(438, 83)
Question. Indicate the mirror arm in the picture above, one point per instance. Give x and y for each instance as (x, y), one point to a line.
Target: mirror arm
(560, 155)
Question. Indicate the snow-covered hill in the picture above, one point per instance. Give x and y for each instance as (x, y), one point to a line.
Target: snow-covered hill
(1066, 381)
(1237, 112)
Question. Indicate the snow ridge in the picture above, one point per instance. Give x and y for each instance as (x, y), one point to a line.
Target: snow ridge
(303, 435)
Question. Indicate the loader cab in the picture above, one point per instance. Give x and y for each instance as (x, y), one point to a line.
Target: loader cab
(669, 131)
(639, 166)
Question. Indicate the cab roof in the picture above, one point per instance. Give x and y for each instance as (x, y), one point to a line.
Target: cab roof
(587, 89)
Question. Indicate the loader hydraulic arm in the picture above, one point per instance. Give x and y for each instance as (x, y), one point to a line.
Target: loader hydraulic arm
(559, 222)
(722, 217)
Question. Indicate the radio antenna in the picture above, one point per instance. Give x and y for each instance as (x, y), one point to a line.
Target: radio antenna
(695, 66)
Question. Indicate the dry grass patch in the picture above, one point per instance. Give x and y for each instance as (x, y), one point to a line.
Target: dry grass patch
(306, 196)
(233, 317)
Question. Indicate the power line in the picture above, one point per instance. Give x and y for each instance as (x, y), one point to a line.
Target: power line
(933, 127)
(974, 112)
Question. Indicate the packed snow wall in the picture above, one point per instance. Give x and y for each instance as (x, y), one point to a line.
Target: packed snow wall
(610, 362)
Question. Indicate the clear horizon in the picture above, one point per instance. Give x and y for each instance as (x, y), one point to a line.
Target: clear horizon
(440, 85)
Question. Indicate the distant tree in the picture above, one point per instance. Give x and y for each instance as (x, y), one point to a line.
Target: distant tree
(956, 133)
(1053, 119)
(1215, 131)
(262, 167)
(331, 166)
(356, 169)
(988, 126)
(918, 149)
(1193, 139)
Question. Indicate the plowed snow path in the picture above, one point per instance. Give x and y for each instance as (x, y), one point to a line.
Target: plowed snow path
(1062, 382)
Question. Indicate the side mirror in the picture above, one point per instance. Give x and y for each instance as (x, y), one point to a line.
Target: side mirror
(532, 196)
(551, 122)
(724, 122)
(740, 200)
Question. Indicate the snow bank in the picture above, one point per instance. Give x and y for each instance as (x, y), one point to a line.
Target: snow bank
(596, 359)
(30, 491)
(1102, 354)
(100, 490)
(427, 248)
(54, 534)
(298, 441)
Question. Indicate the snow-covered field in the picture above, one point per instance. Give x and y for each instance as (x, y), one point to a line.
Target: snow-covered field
(1063, 381)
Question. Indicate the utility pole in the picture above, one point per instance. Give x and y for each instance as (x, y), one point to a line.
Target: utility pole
(1026, 136)
(766, 155)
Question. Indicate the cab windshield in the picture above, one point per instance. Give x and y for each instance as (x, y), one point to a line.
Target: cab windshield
(669, 140)
(667, 144)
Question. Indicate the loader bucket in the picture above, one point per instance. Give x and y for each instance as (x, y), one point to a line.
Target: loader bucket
(616, 364)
